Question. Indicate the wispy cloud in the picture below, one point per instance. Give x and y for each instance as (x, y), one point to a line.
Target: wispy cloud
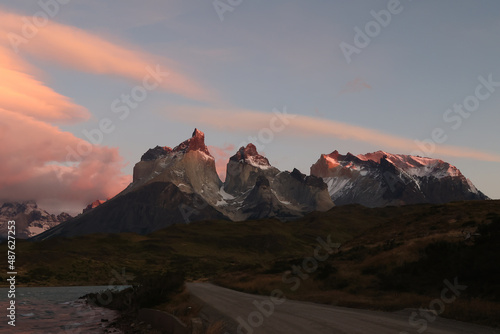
(36, 163)
(250, 120)
(21, 92)
(34, 152)
(86, 52)
(355, 86)
(34, 157)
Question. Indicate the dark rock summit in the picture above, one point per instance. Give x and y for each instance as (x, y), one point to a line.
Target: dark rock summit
(156, 153)
(250, 155)
(195, 143)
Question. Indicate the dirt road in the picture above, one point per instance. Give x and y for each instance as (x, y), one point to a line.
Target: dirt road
(266, 315)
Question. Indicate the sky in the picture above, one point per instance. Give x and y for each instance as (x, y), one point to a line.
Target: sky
(89, 85)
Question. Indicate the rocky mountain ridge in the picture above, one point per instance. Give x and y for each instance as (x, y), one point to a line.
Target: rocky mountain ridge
(381, 179)
(181, 185)
(30, 219)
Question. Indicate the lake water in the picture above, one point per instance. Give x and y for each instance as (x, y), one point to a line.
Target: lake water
(51, 310)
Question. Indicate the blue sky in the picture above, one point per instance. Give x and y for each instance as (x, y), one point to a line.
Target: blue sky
(266, 55)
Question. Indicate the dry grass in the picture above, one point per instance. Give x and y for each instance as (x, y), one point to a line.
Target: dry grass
(473, 310)
(391, 258)
(256, 284)
(356, 282)
(479, 311)
(314, 291)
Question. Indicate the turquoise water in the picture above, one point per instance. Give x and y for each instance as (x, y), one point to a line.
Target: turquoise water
(51, 310)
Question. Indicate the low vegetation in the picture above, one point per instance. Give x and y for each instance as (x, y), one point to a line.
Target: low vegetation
(386, 268)
(147, 291)
(161, 291)
(389, 258)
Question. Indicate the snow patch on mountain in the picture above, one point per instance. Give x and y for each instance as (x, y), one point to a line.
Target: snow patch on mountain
(411, 165)
(30, 219)
(473, 188)
(225, 197)
(331, 161)
(253, 161)
(336, 185)
(381, 178)
(34, 230)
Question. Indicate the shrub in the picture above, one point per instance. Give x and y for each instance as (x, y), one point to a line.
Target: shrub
(148, 291)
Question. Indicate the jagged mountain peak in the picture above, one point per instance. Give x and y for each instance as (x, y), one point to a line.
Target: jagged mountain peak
(189, 166)
(414, 165)
(195, 143)
(19, 207)
(327, 161)
(94, 205)
(379, 155)
(381, 178)
(243, 169)
(181, 185)
(198, 134)
(375, 156)
(335, 159)
(334, 155)
(30, 219)
(309, 180)
(156, 153)
(250, 155)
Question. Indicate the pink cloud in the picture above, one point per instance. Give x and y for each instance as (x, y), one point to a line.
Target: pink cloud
(354, 86)
(21, 92)
(35, 164)
(222, 155)
(90, 53)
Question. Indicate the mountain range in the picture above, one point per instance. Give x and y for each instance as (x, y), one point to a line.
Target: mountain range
(381, 179)
(181, 185)
(30, 219)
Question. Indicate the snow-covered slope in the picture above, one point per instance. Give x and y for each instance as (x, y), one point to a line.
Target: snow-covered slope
(261, 190)
(30, 219)
(381, 178)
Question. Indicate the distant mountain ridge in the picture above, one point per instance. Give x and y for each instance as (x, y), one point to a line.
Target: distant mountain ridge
(181, 185)
(30, 219)
(381, 178)
(93, 205)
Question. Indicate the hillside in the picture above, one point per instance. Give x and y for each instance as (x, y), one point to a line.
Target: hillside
(388, 258)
